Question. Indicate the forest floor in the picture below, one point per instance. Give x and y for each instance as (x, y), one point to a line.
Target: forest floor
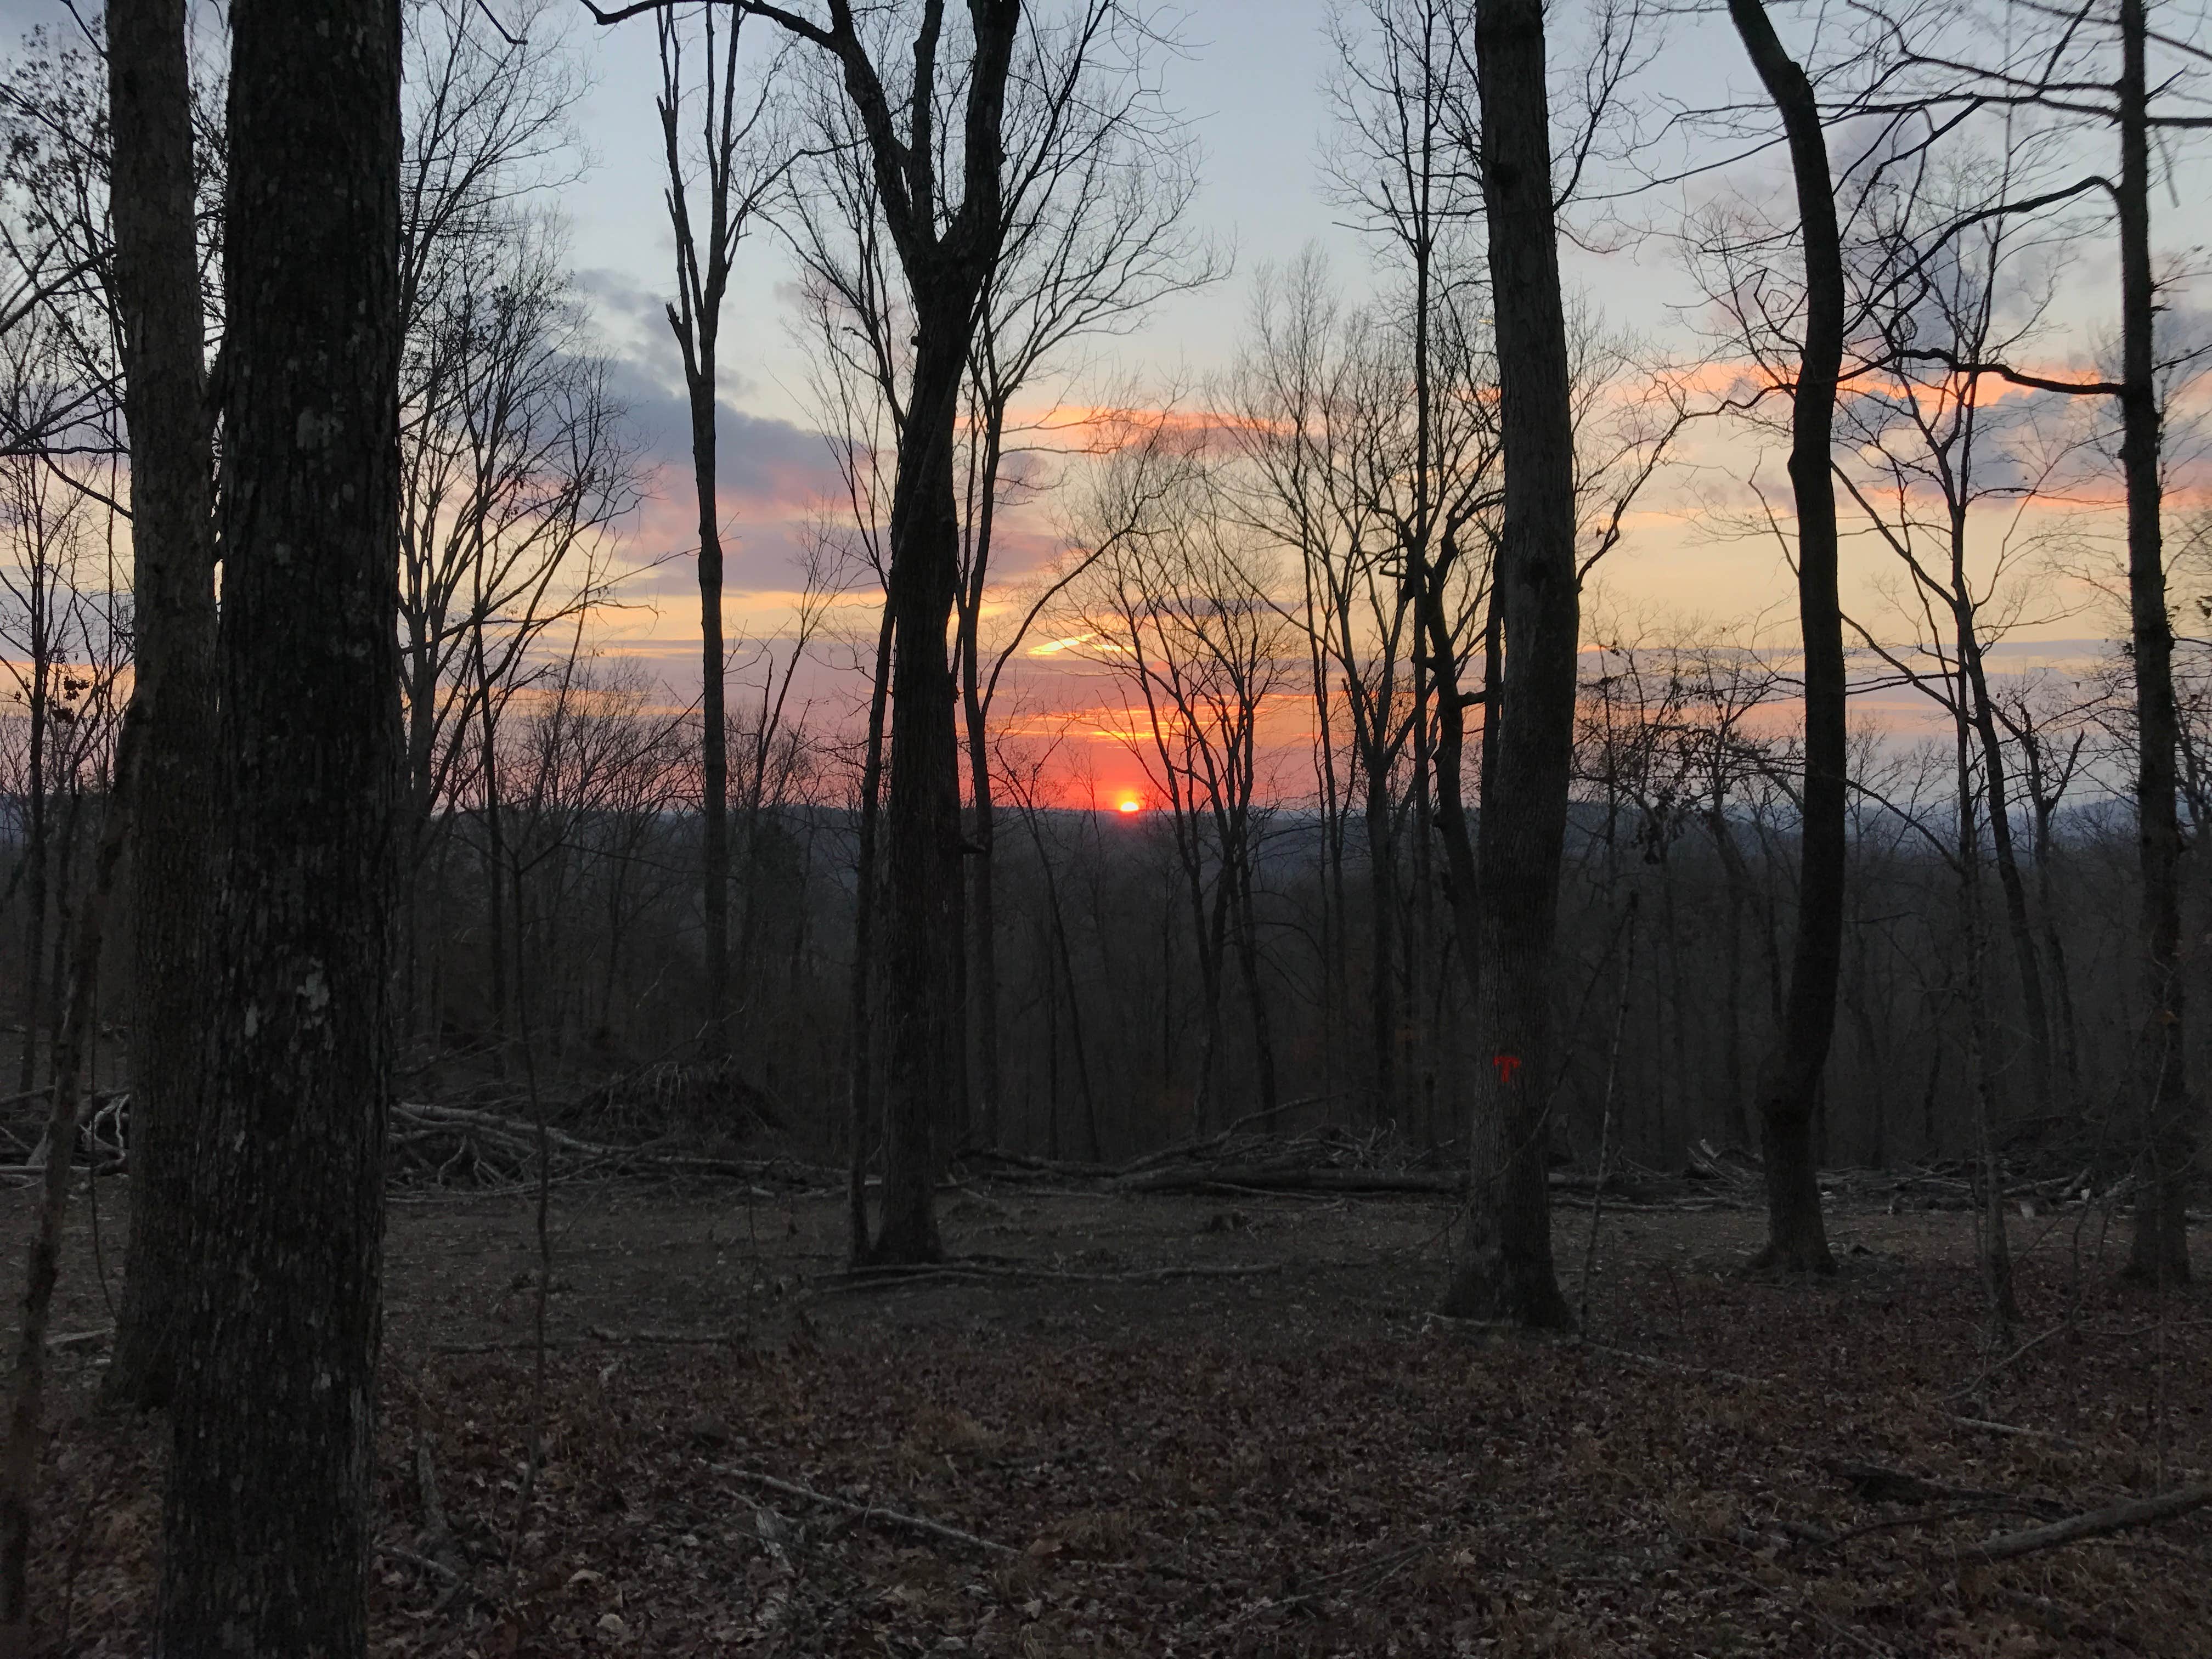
(1214, 1424)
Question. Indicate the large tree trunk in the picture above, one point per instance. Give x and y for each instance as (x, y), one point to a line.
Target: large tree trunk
(266, 1535)
(1505, 1269)
(1797, 1238)
(2160, 1252)
(158, 295)
(922, 817)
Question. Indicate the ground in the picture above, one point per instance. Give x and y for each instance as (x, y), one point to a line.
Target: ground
(1279, 1454)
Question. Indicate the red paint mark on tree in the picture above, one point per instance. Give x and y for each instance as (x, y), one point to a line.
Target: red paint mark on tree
(1509, 1067)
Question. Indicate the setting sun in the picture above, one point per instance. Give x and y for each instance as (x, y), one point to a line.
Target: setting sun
(1130, 804)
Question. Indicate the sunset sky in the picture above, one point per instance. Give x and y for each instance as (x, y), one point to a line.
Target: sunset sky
(1250, 82)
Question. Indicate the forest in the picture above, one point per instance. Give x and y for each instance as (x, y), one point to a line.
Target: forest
(785, 876)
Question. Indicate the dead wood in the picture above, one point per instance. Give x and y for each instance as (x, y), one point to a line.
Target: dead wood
(459, 1145)
(1292, 1178)
(868, 1513)
(1988, 1427)
(890, 1273)
(1876, 1484)
(394, 1552)
(2094, 1523)
(436, 1540)
(1652, 1362)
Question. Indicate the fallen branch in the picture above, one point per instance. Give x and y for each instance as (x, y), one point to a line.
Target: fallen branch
(666, 1338)
(1279, 1178)
(488, 1144)
(868, 1513)
(896, 1273)
(2095, 1523)
(1876, 1484)
(1990, 1427)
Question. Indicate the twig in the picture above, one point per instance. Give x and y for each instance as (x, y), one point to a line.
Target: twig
(1996, 1367)
(1990, 1427)
(2094, 1523)
(868, 1513)
(424, 1562)
(666, 1338)
(1652, 1362)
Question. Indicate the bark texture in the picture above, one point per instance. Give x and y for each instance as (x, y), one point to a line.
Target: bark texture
(157, 294)
(921, 812)
(1505, 1269)
(2158, 1253)
(1790, 1088)
(267, 1524)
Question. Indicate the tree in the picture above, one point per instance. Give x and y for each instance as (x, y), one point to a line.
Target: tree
(1174, 599)
(1504, 1268)
(948, 246)
(156, 283)
(2092, 68)
(266, 1525)
(1099, 184)
(704, 253)
(1790, 1083)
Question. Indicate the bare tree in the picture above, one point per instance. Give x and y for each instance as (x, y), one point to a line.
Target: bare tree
(1100, 181)
(735, 177)
(514, 471)
(1508, 911)
(949, 240)
(1790, 1080)
(1176, 603)
(2091, 70)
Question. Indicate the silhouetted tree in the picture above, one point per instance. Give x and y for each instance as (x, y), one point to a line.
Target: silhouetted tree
(267, 1529)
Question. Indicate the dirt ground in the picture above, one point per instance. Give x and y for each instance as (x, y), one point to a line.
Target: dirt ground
(1221, 1425)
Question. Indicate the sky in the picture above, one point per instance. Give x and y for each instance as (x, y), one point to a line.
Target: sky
(1249, 79)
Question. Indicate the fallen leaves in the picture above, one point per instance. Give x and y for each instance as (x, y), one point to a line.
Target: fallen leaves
(1787, 1478)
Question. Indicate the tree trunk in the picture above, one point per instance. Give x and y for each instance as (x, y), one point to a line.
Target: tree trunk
(921, 817)
(983, 988)
(1995, 1249)
(267, 1525)
(2158, 1253)
(173, 656)
(1505, 1269)
(1796, 1238)
(35, 855)
(859, 1009)
(982, 917)
(714, 718)
(1381, 964)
